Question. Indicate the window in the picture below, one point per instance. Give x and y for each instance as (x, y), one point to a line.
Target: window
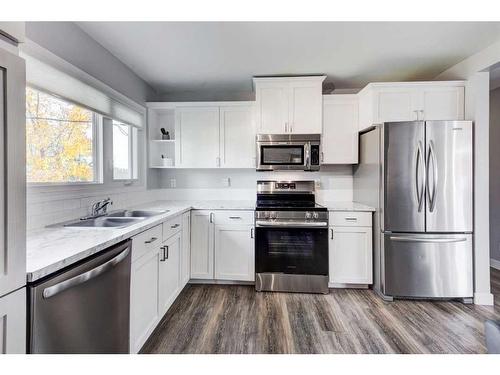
(61, 140)
(124, 151)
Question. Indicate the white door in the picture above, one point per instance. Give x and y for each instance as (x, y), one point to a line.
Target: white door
(398, 103)
(442, 103)
(13, 322)
(340, 129)
(12, 173)
(143, 298)
(272, 108)
(350, 255)
(305, 107)
(234, 253)
(169, 274)
(186, 249)
(197, 137)
(237, 133)
(202, 245)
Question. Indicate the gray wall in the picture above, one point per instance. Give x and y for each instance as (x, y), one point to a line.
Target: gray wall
(68, 41)
(495, 174)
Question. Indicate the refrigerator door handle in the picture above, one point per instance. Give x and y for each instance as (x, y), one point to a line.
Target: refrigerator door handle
(431, 157)
(423, 239)
(420, 187)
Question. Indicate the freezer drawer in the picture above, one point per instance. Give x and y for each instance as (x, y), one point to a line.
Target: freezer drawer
(84, 309)
(428, 265)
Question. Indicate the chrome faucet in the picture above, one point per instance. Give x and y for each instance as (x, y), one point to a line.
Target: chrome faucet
(101, 207)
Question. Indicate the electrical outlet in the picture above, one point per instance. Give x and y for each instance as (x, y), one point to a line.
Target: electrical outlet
(226, 182)
(173, 182)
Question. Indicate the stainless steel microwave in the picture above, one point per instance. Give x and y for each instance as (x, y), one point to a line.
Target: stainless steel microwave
(288, 152)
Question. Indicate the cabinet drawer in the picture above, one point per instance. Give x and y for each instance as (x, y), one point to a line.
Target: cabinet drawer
(351, 219)
(146, 241)
(171, 227)
(233, 217)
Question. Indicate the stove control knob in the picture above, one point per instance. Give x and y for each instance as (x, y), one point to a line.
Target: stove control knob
(315, 215)
(308, 215)
(273, 215)
(265, 215)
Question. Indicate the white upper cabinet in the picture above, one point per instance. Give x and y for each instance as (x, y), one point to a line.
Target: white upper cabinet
(197, 136)
(410, 101)
(289, 105)
(237, 137)
(340, 129)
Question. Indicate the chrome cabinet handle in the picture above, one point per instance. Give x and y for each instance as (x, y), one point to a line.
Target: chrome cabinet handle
(251, 232)
(153, 239)
(175, 226)
(84, 277)
(211, 218)
(235, 217)
(331, 233)
(431, 155)
(322, 157)
(351, 219)
(166, 249)
(162, 257)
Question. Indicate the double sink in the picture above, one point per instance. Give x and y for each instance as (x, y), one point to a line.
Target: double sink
(115, 219)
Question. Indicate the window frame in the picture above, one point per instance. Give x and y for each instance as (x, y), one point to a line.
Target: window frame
(133, 164)
(97, 142)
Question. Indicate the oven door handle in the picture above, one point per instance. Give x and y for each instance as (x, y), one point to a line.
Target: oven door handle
(295, 224)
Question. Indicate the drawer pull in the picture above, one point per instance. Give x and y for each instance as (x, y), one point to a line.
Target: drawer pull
(235, 217)
(162, 258)
(351, 219)
(175, 226)
(153, 239)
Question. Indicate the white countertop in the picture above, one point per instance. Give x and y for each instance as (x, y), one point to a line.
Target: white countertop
(347, 206)
(51, 249)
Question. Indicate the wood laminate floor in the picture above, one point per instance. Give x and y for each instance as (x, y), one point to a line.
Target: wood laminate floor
(236, 319)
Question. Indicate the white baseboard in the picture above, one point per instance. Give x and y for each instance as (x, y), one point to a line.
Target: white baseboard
(495, 263)
(483, 299)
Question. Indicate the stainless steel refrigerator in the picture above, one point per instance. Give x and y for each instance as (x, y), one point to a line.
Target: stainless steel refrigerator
(419, 176)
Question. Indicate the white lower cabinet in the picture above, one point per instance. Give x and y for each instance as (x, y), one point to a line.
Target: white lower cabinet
(169, 273)
(13, 322)
(202, 245)
(143, 297)
(234, 253)
(350, 249)
(222, 245)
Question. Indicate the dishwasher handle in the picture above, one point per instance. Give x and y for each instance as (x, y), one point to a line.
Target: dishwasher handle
(84, 277)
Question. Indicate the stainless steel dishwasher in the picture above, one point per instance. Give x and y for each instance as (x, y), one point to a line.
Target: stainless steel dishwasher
(84, 308)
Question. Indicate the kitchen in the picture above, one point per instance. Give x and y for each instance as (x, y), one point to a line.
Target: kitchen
(287, 211)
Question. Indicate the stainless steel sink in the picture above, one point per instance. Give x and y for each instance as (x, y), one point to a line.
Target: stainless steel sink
(136, 213)
(104, 222)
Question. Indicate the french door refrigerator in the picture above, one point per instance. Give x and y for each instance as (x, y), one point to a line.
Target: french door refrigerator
(424, 198)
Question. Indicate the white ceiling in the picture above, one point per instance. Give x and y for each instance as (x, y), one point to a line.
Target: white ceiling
(213, 57)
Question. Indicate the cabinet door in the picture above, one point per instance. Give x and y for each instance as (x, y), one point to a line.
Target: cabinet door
(13, 323)
(272, 108)
(202, 248)
(186, 249)
(169, 276)
(305, 107)
(143, 298)
(12, 173)
(442, 103)
(234, 253)
(197, 137)
(340, 129)
(237, 133)
(397, 103)
(350, 255)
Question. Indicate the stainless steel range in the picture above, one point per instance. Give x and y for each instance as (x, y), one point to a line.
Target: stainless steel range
(291, 238)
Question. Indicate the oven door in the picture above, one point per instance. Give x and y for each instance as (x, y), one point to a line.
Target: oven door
(282, 156)
(291, 250)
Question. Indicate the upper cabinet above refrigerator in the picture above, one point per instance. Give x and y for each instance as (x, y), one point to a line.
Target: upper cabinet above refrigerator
(289, 105)
(411, 101)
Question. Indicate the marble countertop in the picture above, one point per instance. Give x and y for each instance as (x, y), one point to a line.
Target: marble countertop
(346, 206)
(51, 249)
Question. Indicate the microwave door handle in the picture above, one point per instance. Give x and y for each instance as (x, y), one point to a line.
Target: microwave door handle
(307, 151)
